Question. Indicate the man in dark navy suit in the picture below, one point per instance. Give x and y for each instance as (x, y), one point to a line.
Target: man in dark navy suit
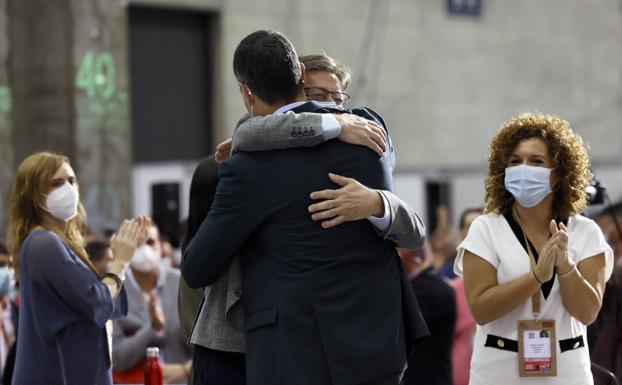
(323, 306)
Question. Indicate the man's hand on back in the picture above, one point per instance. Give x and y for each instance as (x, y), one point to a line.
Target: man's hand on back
(223, 151)
(351, 202)
(358, 130)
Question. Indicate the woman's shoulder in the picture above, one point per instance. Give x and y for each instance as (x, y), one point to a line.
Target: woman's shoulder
(491, 220)
(581, 223)
(43, 237)
(43, 241)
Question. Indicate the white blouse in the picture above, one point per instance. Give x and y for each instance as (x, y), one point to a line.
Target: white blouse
(490, 237)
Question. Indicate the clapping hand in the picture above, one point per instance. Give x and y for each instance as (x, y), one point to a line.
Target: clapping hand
(130, 235)
(562, 260)
(548, 255)
(158, 320)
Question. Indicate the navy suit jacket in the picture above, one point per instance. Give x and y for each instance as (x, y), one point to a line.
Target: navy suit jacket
(323, 306)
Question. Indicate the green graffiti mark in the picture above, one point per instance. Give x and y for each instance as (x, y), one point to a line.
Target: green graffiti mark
(95, 82)
(5, 99)
(97, 75)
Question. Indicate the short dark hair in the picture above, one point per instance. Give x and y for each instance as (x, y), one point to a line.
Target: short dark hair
(3, 248)
(96, 249)
(267, 63)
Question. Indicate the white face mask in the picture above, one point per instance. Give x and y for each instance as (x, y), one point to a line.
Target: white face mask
(528, 184)
(146, 258)
(62, 202)
(6, 281)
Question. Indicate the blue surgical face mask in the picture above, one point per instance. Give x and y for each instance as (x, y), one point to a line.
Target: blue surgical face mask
(528, 184)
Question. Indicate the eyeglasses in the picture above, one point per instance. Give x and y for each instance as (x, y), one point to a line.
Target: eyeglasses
(323, 95)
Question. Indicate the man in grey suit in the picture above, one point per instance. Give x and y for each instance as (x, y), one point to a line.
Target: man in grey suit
(244, 207)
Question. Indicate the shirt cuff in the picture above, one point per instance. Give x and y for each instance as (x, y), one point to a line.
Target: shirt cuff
(382, 223)
(330, 127)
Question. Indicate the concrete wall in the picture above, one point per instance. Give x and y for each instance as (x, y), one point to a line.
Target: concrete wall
(443, 83)
(446, 83)
(100, 60)
(64, 88)
(6, 151)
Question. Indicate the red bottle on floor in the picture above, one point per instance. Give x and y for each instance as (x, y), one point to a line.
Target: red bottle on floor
(153, 370)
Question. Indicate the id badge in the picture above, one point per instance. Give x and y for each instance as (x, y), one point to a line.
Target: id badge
(537, 355)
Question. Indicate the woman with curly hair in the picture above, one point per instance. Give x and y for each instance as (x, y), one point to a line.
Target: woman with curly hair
(534, 269)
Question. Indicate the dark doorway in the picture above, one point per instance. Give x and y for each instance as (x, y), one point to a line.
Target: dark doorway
(171, 67)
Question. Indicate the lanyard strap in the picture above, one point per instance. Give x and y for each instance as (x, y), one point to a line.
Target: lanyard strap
(535, 297)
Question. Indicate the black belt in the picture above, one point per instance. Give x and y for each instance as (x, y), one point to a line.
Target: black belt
(501, 343)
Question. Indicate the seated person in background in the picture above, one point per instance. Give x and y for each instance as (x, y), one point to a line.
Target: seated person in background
(430, 364)
(604, 334)
(152, 319)
(100, 254)
(7, 290)
(442, 243)
(465, 324)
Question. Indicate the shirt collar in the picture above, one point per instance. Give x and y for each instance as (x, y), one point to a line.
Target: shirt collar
(288, 107)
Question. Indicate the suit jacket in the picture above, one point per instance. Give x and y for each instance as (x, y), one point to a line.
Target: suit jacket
(304, 129)
(323, 306)
(217, 321)
(431, 363)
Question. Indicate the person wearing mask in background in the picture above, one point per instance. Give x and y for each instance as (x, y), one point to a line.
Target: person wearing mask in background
(64, 305)
(168, 253)
(7, 327)
(404, 226)
(462, 346)
(152, 318)
(533, 257)
(430, 363)
(605, 334)
(100, 254)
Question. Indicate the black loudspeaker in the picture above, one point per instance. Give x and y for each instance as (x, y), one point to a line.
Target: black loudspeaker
(165, 209)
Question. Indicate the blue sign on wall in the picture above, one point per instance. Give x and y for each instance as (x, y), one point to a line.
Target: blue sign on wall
(464, 7)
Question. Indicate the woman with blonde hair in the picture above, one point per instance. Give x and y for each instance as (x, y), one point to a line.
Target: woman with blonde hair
(64, 306)
(534, 269)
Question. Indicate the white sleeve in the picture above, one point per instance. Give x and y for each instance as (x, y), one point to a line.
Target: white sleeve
(382, 223)
(478, 241)
(330, 127)
(594, 243)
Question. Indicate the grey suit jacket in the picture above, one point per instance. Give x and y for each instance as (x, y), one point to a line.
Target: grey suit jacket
(219, 322)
